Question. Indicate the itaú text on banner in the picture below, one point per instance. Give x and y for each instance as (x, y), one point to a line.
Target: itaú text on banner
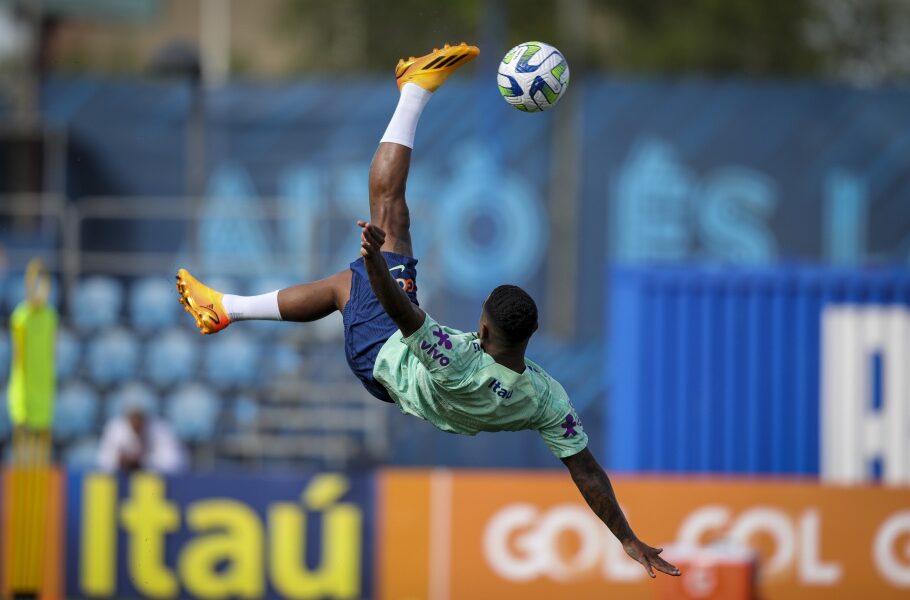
(530, 535)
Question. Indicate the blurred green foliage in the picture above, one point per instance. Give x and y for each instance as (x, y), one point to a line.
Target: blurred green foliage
(758, 37)
(860, 41)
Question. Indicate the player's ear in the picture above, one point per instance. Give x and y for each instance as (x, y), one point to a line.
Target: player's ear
(483, 330)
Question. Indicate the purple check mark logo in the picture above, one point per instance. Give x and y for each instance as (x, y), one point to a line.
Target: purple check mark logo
(443, 338)
(569, 426)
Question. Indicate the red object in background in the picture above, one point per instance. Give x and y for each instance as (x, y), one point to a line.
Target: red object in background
(709, 573)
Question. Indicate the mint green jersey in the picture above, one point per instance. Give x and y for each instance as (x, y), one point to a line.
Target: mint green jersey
(442, 375)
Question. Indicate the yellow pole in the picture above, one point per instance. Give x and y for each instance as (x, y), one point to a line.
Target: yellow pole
(29, 488)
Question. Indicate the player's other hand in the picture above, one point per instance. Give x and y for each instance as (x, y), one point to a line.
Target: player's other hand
(649, 557)
(371, 240)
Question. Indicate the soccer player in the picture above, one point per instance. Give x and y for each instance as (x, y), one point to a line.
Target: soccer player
(460, 382)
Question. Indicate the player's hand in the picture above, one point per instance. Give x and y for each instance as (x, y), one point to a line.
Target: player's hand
(371, 240)
(649, 557)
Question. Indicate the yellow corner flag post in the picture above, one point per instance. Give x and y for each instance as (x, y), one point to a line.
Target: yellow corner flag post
(31, 392)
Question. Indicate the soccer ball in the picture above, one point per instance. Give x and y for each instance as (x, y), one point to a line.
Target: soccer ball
(533, 76)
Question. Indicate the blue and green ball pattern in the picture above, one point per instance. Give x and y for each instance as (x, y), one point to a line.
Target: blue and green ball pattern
(533, 76)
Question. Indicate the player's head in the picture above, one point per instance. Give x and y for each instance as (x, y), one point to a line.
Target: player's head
(509, 317)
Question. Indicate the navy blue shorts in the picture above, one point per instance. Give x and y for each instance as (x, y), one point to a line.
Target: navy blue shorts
(366, 324)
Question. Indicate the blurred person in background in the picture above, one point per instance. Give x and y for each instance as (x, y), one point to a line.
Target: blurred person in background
(137, 441)
(31, 391)
(32, 381)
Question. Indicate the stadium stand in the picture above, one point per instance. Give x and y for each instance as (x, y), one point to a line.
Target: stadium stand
(4, 357)
(68, 353)
(13, 291)
(193, 412)
(76, 411)
(233, 360)
(171, 357)
(133, 393)
(81, 454)
(4, 417)
(113, 356)
(96, 303)
(151, 304)
(265, 395)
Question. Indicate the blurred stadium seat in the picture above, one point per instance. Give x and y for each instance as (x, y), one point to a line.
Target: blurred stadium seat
(172, 357)
(132, 394)
(329, 329)
(281, 360)
(96, 303)
(192, 410)
(13, 291)
(153, 304)
(226, 285)
(112, 356)
(245, 412)
(76, 411)
(270, 283)
(5, 425)
(68, 354)
(233, 360)
(4, 357)
(81, 455)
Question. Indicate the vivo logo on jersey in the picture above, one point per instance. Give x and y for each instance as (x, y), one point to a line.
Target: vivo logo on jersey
(865, 384)
(432, 351)
(497, 389)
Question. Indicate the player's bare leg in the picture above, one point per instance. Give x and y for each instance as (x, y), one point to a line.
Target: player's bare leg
(388, 208)
(313, 301)
(417, 79)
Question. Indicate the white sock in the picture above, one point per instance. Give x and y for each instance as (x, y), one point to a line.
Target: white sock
(403, 125)
(263, 307)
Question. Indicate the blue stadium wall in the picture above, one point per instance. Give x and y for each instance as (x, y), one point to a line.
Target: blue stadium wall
(717, 370)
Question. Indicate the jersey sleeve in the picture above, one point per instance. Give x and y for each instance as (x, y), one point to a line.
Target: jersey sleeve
(560, 427)
(449, 355)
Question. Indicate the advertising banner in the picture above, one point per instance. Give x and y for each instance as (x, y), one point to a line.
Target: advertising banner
(205, 536)
(530, 535)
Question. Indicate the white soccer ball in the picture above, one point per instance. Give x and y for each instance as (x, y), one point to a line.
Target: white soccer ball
(533, 76)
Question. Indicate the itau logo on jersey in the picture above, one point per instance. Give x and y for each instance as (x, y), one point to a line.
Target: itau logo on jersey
(496, 387)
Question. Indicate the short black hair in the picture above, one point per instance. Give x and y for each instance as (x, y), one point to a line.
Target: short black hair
(513, 313)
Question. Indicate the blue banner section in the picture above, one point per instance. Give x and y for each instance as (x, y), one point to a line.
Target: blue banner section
(206, 536)
(669, 171)
(743, 172)
(719, 370)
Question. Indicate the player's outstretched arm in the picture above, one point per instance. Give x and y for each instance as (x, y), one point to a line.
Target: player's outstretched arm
(406, 315)
(597, 490)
